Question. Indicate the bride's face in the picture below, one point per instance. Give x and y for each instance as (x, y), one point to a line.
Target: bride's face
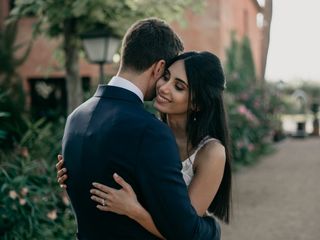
(173, 90)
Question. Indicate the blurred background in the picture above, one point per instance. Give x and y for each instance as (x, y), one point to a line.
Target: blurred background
(53, 55)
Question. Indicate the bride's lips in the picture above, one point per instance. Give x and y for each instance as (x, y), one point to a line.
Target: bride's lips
(161, 99)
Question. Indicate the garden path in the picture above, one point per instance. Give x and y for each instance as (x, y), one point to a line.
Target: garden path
(279, 197)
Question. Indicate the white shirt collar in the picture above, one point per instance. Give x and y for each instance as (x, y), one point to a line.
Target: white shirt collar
(126, 84)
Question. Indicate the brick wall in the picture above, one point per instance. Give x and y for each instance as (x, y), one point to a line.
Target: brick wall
(211, 29)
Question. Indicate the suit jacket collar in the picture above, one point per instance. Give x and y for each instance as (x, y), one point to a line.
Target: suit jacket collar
(106, 91)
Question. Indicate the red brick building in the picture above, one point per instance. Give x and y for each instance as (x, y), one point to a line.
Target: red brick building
(210, 30)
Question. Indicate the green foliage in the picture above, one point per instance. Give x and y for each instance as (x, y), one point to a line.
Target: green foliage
(115, 15)
(32, 204)
(251, 108)
(12, 124)
(240, 68)
(11, 90)
(9, 62)
(312, 90)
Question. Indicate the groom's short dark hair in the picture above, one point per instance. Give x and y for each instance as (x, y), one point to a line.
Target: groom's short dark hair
(148, 41)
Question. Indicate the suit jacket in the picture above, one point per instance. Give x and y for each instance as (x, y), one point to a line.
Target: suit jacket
(112, 132)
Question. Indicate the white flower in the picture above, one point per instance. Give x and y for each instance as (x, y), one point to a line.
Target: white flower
(13, 194)
(24, 191)
(52, 215)
(24, 152)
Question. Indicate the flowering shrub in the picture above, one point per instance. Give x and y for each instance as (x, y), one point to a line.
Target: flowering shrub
(32, 205)
(252, 121)
(250, 104)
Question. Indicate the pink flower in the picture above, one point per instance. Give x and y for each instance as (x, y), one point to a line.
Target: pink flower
(24, 152)
(250, 147)
(240, 144)
(22, 201)
(242, 109)
(13, 194)
(256, 104)
(52, 215)
(24, 191)
(244, 96)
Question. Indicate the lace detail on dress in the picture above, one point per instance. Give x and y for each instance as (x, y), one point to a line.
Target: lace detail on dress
(187, 164)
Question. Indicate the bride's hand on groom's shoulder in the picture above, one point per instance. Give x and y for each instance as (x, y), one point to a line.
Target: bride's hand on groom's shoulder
(61, 172)
(123, 201)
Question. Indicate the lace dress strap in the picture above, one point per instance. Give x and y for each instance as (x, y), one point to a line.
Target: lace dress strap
(187, 164)
(203, 142)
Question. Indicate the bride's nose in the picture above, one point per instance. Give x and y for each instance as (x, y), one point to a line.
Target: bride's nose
(164, 88)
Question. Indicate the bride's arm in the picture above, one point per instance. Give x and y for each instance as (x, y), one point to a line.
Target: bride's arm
(209, 168)
(123, 202)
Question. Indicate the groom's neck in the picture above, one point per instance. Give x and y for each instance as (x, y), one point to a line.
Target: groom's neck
(141, 80)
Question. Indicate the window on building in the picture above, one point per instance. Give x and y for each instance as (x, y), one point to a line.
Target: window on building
(260, 20)
(261, 2)
(12, 4)
(49, 97)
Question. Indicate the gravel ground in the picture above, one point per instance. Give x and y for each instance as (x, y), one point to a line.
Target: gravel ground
(279, 197)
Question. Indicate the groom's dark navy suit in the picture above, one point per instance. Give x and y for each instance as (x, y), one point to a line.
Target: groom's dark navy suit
(111, 132)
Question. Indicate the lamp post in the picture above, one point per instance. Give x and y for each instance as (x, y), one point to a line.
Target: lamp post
(100, 46)
(315, 109)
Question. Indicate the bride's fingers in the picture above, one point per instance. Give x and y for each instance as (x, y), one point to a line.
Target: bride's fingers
(98, 200)
(102, 202)
(103, 188)
(61, 172)
(104, 208)
(59, 165)
(99, 193)
(62, 179)
(121, 182)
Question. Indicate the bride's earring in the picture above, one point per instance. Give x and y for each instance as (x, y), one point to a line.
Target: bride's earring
(195, 111)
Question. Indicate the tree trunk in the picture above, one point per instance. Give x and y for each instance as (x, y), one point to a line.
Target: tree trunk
(71, 50)
(267, 13)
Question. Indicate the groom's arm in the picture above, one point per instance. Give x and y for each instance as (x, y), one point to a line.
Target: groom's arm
(163, 191)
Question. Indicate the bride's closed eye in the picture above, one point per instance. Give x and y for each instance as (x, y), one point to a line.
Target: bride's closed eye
(179, 87)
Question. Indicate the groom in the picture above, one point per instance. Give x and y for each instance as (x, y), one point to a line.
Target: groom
(111, 132)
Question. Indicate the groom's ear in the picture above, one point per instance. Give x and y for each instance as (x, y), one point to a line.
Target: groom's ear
(158, 69)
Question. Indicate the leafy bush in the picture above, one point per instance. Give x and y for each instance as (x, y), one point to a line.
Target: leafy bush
(32, 204)
(12, 123)
(251, 105)
(250, 122)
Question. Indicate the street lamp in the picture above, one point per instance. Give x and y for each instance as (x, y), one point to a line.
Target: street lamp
(100, 46)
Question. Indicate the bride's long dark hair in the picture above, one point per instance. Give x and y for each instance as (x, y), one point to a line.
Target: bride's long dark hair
(208, 118)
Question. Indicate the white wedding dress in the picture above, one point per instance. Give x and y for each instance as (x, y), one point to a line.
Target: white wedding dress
(187, 164)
